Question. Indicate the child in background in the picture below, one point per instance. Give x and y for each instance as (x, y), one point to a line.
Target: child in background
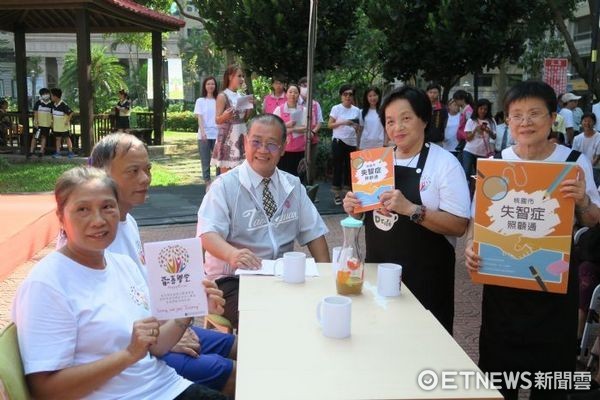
(61, 119)
(42, 122)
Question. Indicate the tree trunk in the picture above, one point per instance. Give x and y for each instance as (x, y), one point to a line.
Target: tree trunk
(576, 60)
(446, 86)
(229, 57)
(501, 85)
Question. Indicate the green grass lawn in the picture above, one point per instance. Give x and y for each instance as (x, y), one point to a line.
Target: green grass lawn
(41, 177)
(172, 136)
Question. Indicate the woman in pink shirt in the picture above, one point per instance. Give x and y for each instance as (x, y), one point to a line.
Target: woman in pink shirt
(294, 116)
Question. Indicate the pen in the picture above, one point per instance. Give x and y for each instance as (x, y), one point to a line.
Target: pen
(537, 278)
(558, 180)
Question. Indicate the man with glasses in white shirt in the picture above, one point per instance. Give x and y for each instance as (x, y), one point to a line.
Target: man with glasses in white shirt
(255, 212)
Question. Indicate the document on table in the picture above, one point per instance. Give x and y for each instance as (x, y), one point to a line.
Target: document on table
(243, 103)
(269, 267)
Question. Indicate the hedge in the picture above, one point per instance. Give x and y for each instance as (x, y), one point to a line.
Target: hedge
(182, 121)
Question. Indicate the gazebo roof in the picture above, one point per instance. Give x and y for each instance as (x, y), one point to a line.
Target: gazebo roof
(105, 16)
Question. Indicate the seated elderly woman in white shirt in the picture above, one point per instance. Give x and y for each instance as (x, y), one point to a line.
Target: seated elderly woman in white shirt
(82, 315)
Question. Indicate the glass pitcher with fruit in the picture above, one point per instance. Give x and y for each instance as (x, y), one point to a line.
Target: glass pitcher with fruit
(350, 273)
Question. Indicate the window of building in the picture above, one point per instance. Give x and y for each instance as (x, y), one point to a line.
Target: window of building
(2, 88)
(583, 28)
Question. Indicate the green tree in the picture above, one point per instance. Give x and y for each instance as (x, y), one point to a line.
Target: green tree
(361, 65)
(532, 60)
(559, 13)
(135, 42)
(200, 57)
(271, 36)
(363, 56)
(446, 39)
(108, 77)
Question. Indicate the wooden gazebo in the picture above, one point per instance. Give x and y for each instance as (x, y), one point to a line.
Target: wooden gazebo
(84, 17)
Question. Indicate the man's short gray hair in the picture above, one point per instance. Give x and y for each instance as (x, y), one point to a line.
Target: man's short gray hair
(270, 119)
(106, 149)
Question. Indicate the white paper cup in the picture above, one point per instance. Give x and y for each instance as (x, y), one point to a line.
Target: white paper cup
(334, 315)
(294, 267)
(389, 279)
(335, 254)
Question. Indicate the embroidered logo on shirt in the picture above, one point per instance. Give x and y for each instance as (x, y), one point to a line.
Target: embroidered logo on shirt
(424, 184)
(140, 251)
(138, 297)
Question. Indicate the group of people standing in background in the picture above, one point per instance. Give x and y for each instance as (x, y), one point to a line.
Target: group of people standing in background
(51, 114)
(221, 126)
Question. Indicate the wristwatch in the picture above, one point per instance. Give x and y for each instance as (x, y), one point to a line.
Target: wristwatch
(418, 215)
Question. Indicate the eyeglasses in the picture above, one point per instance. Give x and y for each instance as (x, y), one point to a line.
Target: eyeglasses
(347, 94)
(531, 119)
(270, 146)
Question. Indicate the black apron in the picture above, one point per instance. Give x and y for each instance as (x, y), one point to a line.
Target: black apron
(427, 258)
(526, 330)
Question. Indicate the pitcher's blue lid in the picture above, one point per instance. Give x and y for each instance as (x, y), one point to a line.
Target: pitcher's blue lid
(350, 222)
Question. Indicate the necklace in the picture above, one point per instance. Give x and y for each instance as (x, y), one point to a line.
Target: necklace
(409, 161)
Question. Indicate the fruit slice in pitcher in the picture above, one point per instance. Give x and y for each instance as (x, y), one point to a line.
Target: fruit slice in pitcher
(343, 276)
(353, 264)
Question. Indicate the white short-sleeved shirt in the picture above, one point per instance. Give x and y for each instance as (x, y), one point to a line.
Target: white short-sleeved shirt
(128, 242)
(345, 133)
(479, 145)
(443, 185)
(450, 139)
(560, 154)
(596, 111)
(68, 315)
(233, 209)
(373, 134)
(568, 116)
(590, 146)
(207, 109)
(319, 113)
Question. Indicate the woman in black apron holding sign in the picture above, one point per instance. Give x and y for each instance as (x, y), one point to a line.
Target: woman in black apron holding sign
(417, 223)
(529, 331)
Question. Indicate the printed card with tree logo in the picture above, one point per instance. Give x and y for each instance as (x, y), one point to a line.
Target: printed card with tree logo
(372, 174)
(523, 224)
(175, 274)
